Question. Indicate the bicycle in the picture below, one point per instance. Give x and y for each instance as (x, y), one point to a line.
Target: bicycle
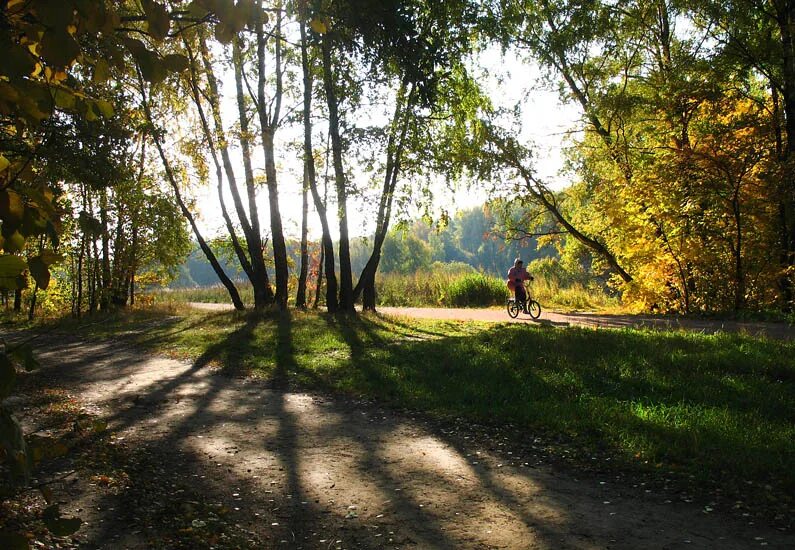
(515, 306)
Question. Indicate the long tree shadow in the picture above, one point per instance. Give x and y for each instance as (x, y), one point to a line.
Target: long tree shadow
(477, 376)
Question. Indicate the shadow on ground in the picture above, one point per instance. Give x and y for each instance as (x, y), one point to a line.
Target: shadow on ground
(215, 459)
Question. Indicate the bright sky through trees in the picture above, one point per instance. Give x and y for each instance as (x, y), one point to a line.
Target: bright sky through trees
(546, 123)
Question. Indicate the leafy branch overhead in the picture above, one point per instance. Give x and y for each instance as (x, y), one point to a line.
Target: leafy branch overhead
(48, 49)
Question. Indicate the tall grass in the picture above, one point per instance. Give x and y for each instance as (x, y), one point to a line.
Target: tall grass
(573, 297)
(215, 294)
(435, 288)
(477, 290)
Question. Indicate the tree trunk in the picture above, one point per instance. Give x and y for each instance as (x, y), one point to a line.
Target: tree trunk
(245, 263)
(277, 233)
(79, 305)
(319, 283)
(739, 275)
(134, 266)
(394, 155)
(346, 277)
(106, 284)
(32, 309)
(17, 300)
(263, 296)
(269, 122)
(228, 284)
(300, 296)
(786, 21)
(327, 250)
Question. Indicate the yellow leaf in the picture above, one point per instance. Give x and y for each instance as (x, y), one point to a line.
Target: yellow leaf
(4, 164)
(318, 26)
(71, 29)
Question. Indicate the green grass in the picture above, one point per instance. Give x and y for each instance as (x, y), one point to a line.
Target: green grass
(712, 406)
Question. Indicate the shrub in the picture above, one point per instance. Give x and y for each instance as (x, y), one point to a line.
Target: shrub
(476, 290)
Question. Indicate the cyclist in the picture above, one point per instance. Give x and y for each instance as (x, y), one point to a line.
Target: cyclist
(517, 275)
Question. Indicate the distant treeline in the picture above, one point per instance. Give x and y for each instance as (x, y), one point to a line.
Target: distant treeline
(472, 237)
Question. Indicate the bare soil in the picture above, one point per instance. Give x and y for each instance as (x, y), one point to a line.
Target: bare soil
(201, 460)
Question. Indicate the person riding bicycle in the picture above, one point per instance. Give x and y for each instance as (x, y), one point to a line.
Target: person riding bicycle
(517, 275)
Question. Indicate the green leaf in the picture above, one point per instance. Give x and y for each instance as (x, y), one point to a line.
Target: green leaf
(197, 9)
(17, 61)
(54, 14)
(157, 19)
(101, 71)
(152, 68)
(318, 26)
(49, 257)
(136, 47)
(224, 33)
(4, 163)
(59, 48)
(40, 272)
(12, 208)
(8, 376)
(90, 114)
(11, 265)
(89, 224)
(105, 108)
(15, 242)
(43, 199)
(59, 526)
(33, 223)
(64, 99)
(13, 541)
(92, 14)
(175, 62)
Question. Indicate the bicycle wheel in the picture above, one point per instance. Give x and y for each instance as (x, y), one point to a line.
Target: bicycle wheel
(534, 309)
(513, 309)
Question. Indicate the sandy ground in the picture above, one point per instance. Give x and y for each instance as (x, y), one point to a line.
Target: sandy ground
(298, 470)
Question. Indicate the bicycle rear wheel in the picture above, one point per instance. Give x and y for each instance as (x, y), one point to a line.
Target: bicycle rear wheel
(534, 309)
(513, 309)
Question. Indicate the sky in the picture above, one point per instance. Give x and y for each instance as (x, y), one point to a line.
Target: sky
(545, 122)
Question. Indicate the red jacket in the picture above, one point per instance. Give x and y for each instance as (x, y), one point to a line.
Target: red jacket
(517, 273)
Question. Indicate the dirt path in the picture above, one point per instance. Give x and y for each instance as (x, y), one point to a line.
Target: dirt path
(596, 320)
(296, 470)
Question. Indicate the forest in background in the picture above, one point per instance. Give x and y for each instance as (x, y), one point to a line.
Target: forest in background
(471, 237)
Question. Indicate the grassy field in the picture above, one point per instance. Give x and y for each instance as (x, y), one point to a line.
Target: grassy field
(711, 406)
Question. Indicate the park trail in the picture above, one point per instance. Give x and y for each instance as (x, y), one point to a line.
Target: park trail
(776, 330)
(303, 470)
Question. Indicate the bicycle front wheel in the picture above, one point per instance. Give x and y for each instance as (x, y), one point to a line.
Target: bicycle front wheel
(534, 309)
(513, 309)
